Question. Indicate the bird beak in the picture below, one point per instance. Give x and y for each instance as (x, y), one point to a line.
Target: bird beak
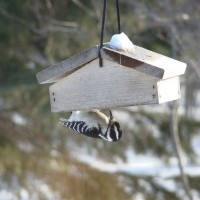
(111, 116)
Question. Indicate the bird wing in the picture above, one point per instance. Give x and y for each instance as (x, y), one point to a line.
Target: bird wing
(81, 127)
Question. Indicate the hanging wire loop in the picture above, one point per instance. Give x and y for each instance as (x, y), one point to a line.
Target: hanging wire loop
(118, 16)
(102, 33)
(103, 27)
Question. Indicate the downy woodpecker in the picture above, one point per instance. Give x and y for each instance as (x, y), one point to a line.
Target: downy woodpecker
(94, 124)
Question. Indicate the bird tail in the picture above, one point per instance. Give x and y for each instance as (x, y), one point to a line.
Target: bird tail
(63, 121)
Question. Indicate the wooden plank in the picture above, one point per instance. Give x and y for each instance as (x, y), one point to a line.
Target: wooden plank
(130, 62)
(141, 59)
(94, 87)
(169, 89)
(55, 73)
(146, 61)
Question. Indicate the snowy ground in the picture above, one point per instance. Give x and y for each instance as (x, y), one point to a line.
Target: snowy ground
(139, 165)
(145, 165)
(37, 189)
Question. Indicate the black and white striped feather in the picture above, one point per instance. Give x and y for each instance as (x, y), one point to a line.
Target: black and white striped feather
(93, 124)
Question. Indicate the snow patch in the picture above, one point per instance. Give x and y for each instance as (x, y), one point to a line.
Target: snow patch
(18, 119)
(138, 196)
(121, 42)
(169, 184)
(7, 195)
(196, 145)
(144, 165)
(24, 194)
(25, 146)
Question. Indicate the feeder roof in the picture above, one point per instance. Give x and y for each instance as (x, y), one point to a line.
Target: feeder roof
(141, 59)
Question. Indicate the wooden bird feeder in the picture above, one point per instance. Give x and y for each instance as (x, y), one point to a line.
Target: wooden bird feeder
(126, 79)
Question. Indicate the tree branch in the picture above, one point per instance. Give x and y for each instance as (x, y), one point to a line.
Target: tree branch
(50, 8)
(177, 145)
(83, 7)
(52, 26)
(174, 123)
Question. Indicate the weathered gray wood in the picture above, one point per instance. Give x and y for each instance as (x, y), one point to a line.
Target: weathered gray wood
(168, 89)
(107, 87)
(112, 86)
(141, 59)
(55, 73)
(126, 79)
(146, 61)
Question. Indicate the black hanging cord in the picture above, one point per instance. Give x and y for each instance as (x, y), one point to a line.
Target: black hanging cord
(118, 16)
(103, 25)
(102, 33)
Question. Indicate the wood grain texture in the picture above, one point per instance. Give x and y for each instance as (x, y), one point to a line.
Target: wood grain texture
(146, 61)
(169, 89)
(56, 72)
(141, 60)
(94, 87)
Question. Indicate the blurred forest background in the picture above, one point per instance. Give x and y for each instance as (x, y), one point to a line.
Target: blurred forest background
(41, 160)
